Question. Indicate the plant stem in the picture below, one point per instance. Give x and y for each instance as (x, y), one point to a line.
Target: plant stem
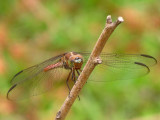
(90, 65)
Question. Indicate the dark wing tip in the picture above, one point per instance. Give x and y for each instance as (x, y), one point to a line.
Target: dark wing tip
(16, 75)
(138, 63)
(10, 90)
(148, 56)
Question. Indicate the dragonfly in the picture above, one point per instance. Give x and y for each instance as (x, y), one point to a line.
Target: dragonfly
(40, 78)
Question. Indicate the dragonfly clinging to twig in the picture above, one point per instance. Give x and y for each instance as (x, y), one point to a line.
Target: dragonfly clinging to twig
(39, 78)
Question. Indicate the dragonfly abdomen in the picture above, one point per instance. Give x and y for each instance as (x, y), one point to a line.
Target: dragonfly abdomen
(52, 66)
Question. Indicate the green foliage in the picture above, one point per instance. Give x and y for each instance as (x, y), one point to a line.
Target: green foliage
(30, 31)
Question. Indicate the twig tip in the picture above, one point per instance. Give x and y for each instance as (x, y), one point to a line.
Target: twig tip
(120, 19)
(109, 19)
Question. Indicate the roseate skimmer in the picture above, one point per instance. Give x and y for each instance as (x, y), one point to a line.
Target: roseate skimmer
(39, 78)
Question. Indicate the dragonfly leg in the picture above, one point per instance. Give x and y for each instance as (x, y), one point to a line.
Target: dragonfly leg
(75, 80)
(78, 72)
(73, 76)
(68, 80)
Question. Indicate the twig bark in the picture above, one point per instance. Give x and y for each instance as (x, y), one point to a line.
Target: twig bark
(90, 65)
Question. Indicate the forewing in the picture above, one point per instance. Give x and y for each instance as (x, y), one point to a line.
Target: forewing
(127, 59)
(113, 57)
(129, 65)
(33, 81)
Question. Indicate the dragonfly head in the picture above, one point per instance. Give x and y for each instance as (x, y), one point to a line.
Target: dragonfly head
(76, 61)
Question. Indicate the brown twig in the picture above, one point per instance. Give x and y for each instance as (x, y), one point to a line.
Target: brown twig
(90, 65)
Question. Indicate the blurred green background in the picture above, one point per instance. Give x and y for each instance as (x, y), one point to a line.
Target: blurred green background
(34, 30)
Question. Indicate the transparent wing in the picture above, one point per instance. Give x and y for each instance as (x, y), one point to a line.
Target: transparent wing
(127, 59)
(33, 81)
(132, 65)
(143, 58)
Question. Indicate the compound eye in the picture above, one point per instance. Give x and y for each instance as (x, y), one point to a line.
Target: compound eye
(78, 60)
